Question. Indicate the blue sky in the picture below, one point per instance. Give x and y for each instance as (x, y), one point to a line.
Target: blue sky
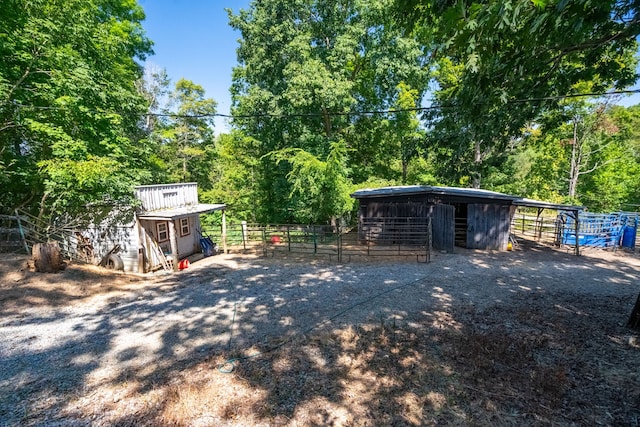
(192, 39)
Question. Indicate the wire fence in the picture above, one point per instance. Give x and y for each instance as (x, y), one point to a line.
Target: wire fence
(340, 244)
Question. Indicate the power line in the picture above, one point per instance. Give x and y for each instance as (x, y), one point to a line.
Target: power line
(332, 113)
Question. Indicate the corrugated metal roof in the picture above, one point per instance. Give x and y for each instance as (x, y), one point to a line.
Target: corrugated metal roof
(530, 203)
(430, 189)
(461, 192)
(181, 212)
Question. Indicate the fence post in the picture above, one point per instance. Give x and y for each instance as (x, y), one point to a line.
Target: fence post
(289, 237)
(244, 235)
(315, 241)
(339, 244)
(577, 217)
(224, 232)
(264, 241)
(22, 235)
(541, 228)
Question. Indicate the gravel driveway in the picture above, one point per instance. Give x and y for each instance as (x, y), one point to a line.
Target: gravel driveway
(54, 359)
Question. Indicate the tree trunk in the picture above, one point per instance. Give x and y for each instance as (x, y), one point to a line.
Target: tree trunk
(574, 171)
(47, 258)
(477, 165)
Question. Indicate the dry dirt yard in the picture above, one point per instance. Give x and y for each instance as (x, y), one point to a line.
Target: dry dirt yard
(530, 337)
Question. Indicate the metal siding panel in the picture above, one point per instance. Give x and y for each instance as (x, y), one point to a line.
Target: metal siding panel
(159, 197)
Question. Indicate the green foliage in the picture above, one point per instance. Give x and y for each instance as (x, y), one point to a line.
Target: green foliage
(315, 62)
(234, 176)
(492, 56)
(608, 170)
(69, 110)
(320, 189)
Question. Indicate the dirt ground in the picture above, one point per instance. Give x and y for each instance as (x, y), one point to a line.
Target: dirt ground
(531, 337)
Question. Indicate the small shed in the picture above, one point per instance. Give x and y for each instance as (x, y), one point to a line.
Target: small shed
(465, 217)
(164, 229)
(169, 220)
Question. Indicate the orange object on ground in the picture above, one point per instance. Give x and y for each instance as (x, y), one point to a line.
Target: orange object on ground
(183, 264)
(275, 239)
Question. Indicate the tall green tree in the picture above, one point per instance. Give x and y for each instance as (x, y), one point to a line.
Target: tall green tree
(304, 68)
(234, 176)
(502, 63)
(187, 138)
(587, 154)
(69, 109)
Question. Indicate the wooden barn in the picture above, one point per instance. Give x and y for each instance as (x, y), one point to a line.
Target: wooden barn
(470, 218)
(163, 230)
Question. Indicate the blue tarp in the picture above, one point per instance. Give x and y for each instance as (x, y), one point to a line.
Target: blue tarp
(601, 230)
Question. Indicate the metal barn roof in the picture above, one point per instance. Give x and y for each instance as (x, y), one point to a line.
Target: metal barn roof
(459, 192)
(430, 189)
(181, 212)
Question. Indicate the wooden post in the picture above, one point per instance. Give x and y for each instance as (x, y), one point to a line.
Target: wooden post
(315, 241)
(173, 240)
(244, 234)
(538, 226)
(224, 232)
(339, 242)
(22, 236)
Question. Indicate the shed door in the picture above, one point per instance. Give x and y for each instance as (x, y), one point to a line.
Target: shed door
(443, 226)
(488, 226)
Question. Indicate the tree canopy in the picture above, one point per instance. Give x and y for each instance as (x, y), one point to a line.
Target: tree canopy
(327, 97)
(69, 109)
(309, 65)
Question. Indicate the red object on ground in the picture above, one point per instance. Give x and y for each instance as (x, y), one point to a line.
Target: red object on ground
(275, 239)
(183, 264)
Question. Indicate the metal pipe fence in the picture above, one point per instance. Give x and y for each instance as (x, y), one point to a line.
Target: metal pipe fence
(342, 244)
(594, 230)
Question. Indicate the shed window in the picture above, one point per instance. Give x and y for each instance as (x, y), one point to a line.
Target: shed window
(185, 230)
(163, 231)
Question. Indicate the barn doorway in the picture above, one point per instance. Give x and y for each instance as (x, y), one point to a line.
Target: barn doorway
(461, 224)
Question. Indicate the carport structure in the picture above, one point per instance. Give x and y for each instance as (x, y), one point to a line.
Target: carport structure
(571, 210)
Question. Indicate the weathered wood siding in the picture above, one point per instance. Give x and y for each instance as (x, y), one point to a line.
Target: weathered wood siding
(386, 222)
(488, 226)
(443, 227)
(187, 245)
(104, 238)
(190, 243)
(159, 197)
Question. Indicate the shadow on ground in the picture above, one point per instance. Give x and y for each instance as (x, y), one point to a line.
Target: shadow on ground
(500, 338)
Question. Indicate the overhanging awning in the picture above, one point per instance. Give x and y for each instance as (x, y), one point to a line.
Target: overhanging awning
(530, 203)
(181, 212)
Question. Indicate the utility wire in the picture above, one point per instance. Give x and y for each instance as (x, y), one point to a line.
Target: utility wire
(330, 113)
(230, 364)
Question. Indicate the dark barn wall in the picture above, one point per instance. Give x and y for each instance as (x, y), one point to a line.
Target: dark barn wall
(387, 216)
(488, 226)
(443, 227)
